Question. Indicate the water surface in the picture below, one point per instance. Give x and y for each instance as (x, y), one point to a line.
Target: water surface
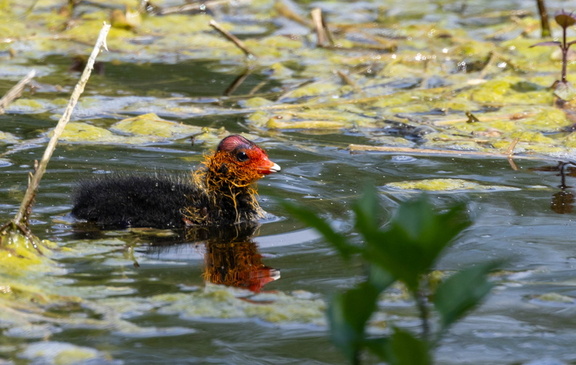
(142, 295)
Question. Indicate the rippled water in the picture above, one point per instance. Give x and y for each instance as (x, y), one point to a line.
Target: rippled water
(141, 294)
(518, 225)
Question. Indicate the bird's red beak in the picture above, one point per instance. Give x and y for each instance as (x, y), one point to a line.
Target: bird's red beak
(267, 167)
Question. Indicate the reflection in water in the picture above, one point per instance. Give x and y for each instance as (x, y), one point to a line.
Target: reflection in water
(231, 257)
(562, 201)
(237, 263)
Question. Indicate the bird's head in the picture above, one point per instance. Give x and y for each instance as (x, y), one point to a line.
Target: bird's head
(240, 161)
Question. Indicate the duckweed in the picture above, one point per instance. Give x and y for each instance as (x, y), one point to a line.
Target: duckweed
(439, 185)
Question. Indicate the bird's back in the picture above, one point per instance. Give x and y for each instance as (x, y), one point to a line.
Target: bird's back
(144, 200)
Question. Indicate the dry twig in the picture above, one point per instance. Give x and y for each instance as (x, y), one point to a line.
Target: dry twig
(285, 11)
(231, 37)
(16, 91)
(321, 35)
(237, 82)
(348, 80)
(544, 22)
(510, 153)
(21, 218)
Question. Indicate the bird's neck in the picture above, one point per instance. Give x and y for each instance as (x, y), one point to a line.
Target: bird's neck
(230, 196)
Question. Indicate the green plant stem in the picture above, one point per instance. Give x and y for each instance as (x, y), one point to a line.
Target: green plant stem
(356, 360)
(422, 304)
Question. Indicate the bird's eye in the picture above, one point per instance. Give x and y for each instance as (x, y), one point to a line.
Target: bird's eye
(242, 156)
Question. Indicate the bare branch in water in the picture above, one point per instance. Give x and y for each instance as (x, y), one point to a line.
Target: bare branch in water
(232, 38)
(21, 217)
(324, 37)
(348, 80)
(237, 82)
(16, 91)
(284, 10)
(544, 22)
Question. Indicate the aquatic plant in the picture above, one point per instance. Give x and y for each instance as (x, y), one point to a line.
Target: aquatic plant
(562, 88)
(405, 251)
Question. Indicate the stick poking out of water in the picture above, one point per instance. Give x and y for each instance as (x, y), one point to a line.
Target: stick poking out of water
(323, 35)
(231, 37)
(21, 217)
(16, 91)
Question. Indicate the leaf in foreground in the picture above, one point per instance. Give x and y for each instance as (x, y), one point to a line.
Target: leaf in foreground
(307, 216)
(461, 292)
(415, 238)
(407, 349)
(348, 313)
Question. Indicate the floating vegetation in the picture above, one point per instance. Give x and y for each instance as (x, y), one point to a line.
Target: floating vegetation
(358, 75)
(50, 352)
(18, 253)
(220, 302)
(139, 130)
(553, 299)
(438, 185)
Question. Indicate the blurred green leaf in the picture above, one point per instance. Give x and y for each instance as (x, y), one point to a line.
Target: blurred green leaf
(379, 278)
(428, 228)
(406, 249)
(379, 347)
(406, 349)
(396, 257)
(461, 292)
(309, 217)
(414, 239)
(347, 314)
(369, 213)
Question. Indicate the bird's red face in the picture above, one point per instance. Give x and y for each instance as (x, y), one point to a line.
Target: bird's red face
(243, 159)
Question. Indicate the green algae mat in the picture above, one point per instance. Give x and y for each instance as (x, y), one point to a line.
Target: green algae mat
(467, 81)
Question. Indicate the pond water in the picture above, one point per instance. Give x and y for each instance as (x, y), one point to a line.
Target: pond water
(142, 297)
(516, 224)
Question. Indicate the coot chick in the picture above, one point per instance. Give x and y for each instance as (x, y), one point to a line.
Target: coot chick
(221, 192)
